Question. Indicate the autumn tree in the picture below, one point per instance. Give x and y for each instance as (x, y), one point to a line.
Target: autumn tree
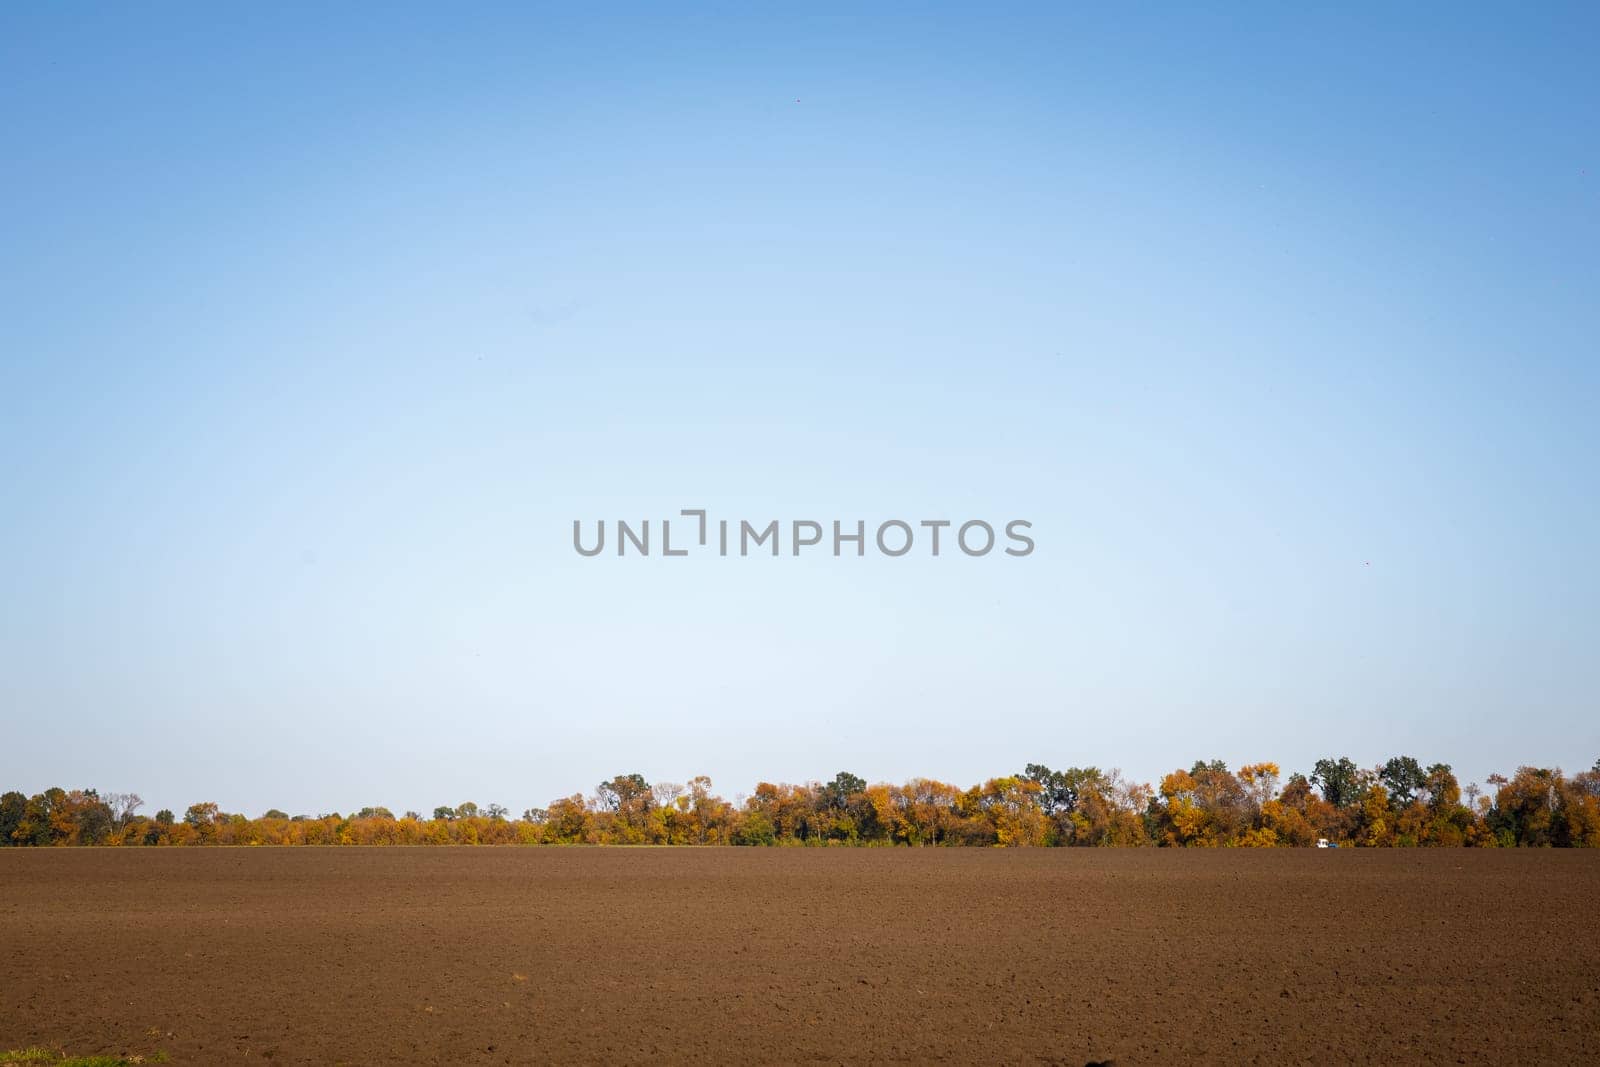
(1398, 803)
(1264, 817)
(1296, 816)
(1012, 807)
(41, 823)
(1374, 822)
(801, 813)
(927, 811)
(628, 799)
(711, 817)
(85, 818)
(202, 820)
(1108, 810)
(568, 821)
(1525, 807)
(1578, 810)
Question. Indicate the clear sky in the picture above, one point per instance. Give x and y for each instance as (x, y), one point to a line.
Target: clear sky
(320, 325)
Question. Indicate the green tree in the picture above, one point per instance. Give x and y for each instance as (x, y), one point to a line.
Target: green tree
(92, 818)
(1059, 791)
(755, 829)
(1339, 780)
(841, 793)
(1404, 778)
(12, 807)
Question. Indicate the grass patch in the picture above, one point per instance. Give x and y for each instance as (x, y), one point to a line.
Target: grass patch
(26, 1057)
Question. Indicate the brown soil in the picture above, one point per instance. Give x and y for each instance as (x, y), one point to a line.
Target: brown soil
(390, 955)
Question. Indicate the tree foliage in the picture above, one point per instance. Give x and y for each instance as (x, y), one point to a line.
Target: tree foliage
(1398, 803)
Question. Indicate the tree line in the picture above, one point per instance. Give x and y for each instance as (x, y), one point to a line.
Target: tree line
(1400, 803)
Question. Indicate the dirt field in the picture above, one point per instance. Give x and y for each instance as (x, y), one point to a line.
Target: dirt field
(507, 955)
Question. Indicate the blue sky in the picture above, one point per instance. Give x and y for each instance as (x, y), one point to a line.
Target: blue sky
(318, 327)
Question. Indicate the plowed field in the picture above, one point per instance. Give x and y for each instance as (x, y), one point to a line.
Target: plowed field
(508, 955)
